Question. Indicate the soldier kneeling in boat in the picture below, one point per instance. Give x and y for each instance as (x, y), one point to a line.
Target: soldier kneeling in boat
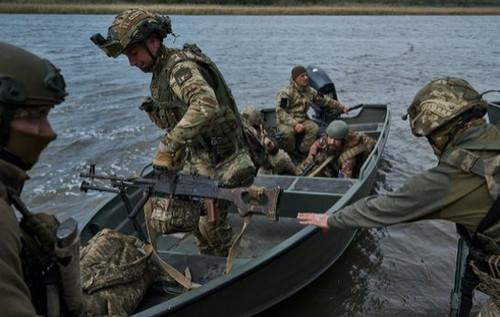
(339, 153)
(264, 151)
(292, 103)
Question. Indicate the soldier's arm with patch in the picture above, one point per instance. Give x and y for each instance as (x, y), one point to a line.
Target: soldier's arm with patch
(190, 87)
(282, 105)
(327, 102)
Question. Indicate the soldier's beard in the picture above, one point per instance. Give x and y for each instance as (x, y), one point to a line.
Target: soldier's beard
(147, 68)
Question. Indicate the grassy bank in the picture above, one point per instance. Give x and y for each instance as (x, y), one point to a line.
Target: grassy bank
(358, 9)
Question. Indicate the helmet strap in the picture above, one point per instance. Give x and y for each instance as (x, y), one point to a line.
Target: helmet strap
(6, 116)
(14, 159)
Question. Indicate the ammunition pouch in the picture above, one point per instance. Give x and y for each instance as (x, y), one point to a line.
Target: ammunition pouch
(236, 170)
(116, 271)
(174, 215)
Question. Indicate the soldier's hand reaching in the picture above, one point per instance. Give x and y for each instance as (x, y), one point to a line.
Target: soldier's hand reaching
(168, 156)
(310, 218)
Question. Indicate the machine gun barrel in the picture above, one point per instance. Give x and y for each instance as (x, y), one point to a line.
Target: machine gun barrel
(248, 200)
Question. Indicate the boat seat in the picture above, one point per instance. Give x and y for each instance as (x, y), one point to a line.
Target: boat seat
(338, 186)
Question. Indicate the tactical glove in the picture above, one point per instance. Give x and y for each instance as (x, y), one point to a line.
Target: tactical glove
(169, 156)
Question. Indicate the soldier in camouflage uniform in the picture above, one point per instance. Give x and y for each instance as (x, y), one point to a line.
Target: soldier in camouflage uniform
(191, 101)
(292, 103)
(32, 284)
(264, 151)
(349, 150)
(463, 187)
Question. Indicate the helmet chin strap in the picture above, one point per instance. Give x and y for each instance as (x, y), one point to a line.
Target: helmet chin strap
(14, 159)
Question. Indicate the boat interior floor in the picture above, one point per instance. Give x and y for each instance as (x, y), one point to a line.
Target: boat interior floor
(180, 251)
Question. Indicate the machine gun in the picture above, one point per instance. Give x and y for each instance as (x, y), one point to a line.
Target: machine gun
(248, 200)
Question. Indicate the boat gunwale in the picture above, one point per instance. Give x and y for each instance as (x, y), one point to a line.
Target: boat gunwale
(296, 239)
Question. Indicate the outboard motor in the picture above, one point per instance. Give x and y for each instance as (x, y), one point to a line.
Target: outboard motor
(319, 80)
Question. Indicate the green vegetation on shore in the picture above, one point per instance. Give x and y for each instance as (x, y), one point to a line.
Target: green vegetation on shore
(261, 7)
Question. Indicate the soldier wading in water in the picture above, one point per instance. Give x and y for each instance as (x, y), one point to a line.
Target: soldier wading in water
(191, 101)
(463, 188)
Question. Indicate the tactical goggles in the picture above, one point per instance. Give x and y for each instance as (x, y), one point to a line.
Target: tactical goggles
(112, 48)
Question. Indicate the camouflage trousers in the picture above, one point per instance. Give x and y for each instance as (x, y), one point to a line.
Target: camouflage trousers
(173, 215)
(304, 139)
(115, 273)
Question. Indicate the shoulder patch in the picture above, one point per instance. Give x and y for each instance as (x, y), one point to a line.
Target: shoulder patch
(182, 75)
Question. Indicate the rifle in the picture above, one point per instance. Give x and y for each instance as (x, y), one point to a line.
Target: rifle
(460, 267)
(248, 200)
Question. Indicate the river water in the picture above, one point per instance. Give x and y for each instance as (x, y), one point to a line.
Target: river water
(404, 270)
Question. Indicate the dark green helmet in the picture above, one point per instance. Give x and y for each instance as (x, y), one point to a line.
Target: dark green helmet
(337, 129)
(129, 27)
(26, 80)
(440, 101)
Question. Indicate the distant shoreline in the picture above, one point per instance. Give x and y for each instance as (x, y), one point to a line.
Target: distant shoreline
(350, 9)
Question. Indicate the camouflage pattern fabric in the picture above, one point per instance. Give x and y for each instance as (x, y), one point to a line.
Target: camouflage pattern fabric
(115, 273)
(355, 151)
(348, 160)
(490, 309)
(269, 160)
(174, 215)
(292, 104)
(440, 101)
(202, 120)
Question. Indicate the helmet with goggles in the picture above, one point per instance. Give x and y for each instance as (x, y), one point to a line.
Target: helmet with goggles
(130, 27)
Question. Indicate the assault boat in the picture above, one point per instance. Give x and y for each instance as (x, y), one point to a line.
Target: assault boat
(494, 112)
(275, 258)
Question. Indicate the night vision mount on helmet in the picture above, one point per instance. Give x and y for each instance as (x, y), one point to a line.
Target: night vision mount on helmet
(130, 27)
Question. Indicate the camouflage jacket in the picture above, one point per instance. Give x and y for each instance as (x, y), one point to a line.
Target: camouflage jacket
(347, 160)
(192, 102)
(293, 102)
(443, 192)
(15, 298)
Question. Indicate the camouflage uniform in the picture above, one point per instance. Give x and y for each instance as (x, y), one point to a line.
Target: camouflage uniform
(348, 160)
(265, 152)
(189, 99)
(448, 112)
(202, 120)
(292, 104)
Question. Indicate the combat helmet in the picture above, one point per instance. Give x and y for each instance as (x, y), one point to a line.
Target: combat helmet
(130, 27)
(26, 81)
(252, 115)
(337, 129)
(442, 100)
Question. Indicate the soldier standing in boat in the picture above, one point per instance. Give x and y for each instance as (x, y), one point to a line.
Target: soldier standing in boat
(292, 103)
(464, 187)
(192, 102)
(339, 153)
(265, 151)
(40, 273)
